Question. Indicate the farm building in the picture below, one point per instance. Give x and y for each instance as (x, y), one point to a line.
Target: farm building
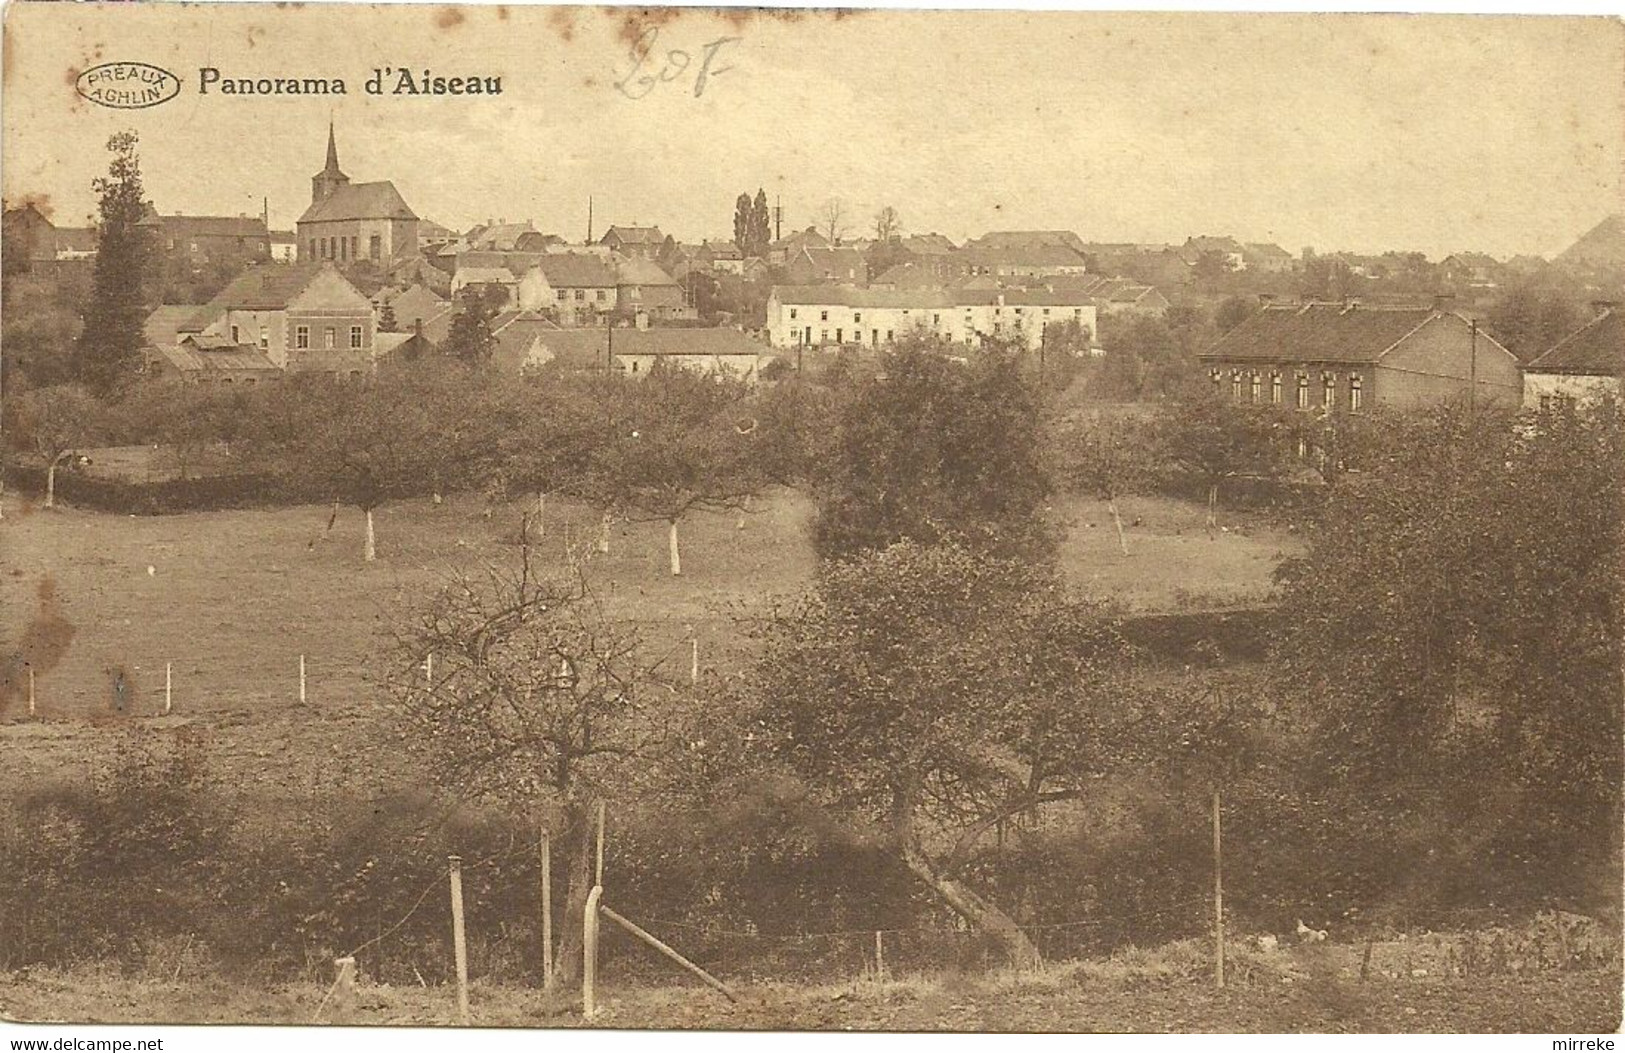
(1582, 366)
(1348, 356)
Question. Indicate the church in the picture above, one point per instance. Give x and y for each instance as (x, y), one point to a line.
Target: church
(355, 224)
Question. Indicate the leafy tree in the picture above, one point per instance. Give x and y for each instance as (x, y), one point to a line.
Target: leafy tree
(928, 694)
(744, 217)
(1215, 439)
(1456, 623)
(185, 418)
(1231, 312)
(55, 422)
(761, 225)
(540, 700)
(687, 443)
(470, 339)
(1210, 270)
(1527, 321)
(934, 449)
(109, 347)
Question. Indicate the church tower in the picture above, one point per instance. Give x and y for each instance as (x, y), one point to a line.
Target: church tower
(329, 179)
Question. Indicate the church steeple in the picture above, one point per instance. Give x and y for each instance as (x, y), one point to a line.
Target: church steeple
(330, 178)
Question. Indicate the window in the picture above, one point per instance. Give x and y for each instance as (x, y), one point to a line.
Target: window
(1303, 390)
(1257, 383)
(603, 294)
(1328, 383)
(857, 317)
(823, 316)
(330, 338)
(1356, 392)
(265, 338)
(236, 336)
(1275, 386)
(355, 336)
(313, 248)
(1217, 376)
(564, 294)
(581, 294)
(353, 254)
(792, 314)
(823, 336)
(344, 245)
(301, 336)
(375, 246)
(1235, 385)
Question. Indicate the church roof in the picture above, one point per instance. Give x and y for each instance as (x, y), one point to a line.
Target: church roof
(360, 201)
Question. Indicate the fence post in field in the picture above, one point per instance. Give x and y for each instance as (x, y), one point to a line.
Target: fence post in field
(880, 955)
(301, 680)
(1218, 896)
(663, 948)
(32, 709)
(343, 990)
(694, 660)
(589, 953)
(547, 913)
(459, 942)
(428, 671)
(169, 686)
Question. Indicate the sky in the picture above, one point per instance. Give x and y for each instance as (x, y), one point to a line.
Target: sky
(1504, 134)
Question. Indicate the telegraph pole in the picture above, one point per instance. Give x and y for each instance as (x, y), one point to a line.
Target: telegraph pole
(1472, 370)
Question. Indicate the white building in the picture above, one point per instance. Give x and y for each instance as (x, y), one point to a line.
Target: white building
(813, 315)
(1583, 366)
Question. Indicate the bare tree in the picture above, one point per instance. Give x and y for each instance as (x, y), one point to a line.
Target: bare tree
(833, 217)
(888, 224)
(537, 697)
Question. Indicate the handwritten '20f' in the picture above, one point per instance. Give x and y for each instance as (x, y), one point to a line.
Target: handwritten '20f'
(650, 71)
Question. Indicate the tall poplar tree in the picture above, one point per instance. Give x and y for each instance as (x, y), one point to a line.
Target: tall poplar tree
(109, 348)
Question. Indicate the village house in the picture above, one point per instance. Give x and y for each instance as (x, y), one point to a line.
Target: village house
(1037, 260)
(199, 241)
(497, 236)
(1016, 239)
(31, 236)
(284, 246)
(1581, 367)
(533, 347)
(1267, 258)
(817, 315)
(633, 241)
(813, 264)
(792, 244)
(579, 288)
(1349, 356)
(643, 287)
(355, 224)
(302, 317)
(1228, 248)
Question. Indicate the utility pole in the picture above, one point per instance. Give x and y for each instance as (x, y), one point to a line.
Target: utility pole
(778, 219)
(589, 219)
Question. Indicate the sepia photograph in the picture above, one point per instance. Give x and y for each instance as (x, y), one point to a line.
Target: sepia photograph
(809, 520)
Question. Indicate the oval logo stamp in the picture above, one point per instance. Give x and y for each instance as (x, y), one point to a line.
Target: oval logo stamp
(128, 85)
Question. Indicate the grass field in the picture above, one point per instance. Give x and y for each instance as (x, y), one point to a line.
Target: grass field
(1086, 997)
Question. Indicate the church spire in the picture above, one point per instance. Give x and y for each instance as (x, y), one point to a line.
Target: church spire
(332, 151)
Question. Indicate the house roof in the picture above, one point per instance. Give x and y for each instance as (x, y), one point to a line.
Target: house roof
(927, 244)
(909, 276)
(635, 235)
(195, 356)
(266, 287)
(1595, 349)
(1269, 249)
(1018, 238)
(208, 226)
(1320, 332)
(515, 263)
(576, 270)
(417, 303)
(1029, 255)
(639, 271)
(76, 239)
(163, 326)
(500, 237)
(925, 299)
(360, 201)
(485, 276)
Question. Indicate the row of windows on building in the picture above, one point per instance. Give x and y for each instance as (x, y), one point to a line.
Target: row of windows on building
(345, 248)
(936, 317)
(301, 337)
(1248, 385)
(600, 295)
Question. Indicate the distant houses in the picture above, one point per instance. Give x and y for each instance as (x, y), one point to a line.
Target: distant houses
(820, 315)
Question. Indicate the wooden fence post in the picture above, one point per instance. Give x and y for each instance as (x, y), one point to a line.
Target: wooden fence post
(343, 990)
(547, 913)
(710, 981)
(1218, 896)
(459, 942)
(301, 680)
(169, 685)
(880, 956)
(32, 710)
(589, 953)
